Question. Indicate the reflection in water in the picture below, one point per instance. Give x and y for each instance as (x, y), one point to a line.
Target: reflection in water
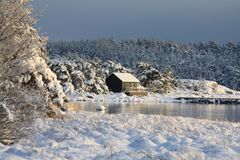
(202, 111)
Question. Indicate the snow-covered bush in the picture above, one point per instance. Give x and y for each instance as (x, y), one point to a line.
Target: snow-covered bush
(84, 75)
(153, 80)
(210, 60)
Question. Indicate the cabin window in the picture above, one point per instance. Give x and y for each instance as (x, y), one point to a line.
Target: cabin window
(125, 85)
(132, 85)
(129, 85)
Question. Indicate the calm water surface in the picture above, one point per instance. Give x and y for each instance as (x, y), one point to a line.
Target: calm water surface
(201, 111)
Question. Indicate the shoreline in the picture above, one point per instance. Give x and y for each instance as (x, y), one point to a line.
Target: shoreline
(157, 98)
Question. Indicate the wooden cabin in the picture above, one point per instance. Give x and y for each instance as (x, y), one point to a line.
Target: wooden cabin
(125, 82)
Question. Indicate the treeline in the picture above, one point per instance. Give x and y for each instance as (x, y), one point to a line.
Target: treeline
(210, 60)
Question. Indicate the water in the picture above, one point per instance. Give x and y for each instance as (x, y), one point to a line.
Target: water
(202, 111)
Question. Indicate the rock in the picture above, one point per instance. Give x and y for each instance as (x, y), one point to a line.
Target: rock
(100, 107)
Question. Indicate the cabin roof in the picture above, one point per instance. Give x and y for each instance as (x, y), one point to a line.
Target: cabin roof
(126, 77)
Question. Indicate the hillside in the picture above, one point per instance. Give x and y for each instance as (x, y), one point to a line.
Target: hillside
(82, 78)
(211, 61)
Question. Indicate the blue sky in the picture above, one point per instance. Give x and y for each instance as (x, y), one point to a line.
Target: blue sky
(180, 20)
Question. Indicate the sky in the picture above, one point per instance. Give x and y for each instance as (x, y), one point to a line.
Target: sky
(179, 20)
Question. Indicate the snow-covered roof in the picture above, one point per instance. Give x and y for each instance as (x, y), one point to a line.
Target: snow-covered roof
(126, 77)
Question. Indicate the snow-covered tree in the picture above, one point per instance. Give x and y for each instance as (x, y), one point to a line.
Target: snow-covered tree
(27, 85)
(204, 60)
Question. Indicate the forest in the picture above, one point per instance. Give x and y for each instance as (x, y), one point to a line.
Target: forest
(203, 60)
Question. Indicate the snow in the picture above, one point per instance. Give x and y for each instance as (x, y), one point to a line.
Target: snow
(122, 98)
(187, 88)
(100, 107)
(151, 98)
(9, 113)
(203, 88)
(126, 77)
(85, 135)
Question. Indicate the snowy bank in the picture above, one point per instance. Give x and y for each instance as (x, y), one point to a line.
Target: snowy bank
(127, 136)
(186, 88)
(122, 98)
(151, 98)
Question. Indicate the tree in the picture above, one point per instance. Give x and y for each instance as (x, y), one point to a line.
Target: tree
(27, 85)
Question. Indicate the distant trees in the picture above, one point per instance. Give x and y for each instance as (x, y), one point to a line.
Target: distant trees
(205, 60)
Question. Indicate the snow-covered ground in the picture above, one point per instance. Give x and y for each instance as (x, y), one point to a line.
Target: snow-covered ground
(122, 98)
(187, 88)
(151, 98)
(86, 135)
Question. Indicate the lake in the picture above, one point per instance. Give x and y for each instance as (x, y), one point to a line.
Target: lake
(201, 111)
